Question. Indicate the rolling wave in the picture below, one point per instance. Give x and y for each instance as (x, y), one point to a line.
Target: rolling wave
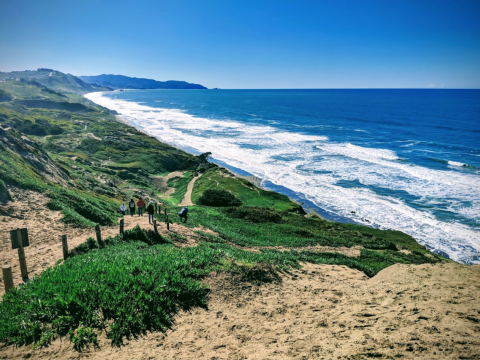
(311, 166)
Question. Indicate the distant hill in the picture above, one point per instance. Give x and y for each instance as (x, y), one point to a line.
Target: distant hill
(126, 82)
(53, 79)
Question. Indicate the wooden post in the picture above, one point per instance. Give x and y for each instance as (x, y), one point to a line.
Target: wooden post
(156, 208)
(165, 214)
(155, 226)
(99, 236)
(65, 247)
(21, 256)
(121, 226)
(168, 223)
(7, 277)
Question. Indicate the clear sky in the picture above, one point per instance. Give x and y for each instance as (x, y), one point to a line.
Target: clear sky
(250, 43)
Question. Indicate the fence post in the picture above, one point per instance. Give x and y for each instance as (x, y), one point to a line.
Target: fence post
(21, 256)
(165, 214)
(168, 223)
(155, 226)
(65, 247)
(7, 277)
(99, 236)
(121, 225)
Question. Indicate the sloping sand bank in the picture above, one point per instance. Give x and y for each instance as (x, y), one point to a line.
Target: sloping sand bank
(319, 312)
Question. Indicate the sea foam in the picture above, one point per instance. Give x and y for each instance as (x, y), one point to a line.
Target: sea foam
(311, 167)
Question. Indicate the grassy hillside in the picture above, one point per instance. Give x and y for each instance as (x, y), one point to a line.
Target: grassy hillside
(86, 163)
(103, 161)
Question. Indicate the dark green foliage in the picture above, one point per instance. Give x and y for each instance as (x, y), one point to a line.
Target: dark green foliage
(92, 145)
(126, 289)
(218, 198)
(5, 96)
(147, 236)
(58, 105)
(82, 337)
(93, 209)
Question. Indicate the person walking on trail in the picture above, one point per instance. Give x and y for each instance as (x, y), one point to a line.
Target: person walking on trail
(123, 209)
(131, 206)
(141, 206)
(183, 214)
(151, 211)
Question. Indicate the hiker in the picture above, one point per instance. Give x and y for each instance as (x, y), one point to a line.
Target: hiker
(151, 211)
(141, 206)
(131, 206)
(183, 214)
(123, 209)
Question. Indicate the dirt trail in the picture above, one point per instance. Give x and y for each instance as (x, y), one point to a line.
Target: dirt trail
(187, 199)
(161, 182)
(45, 229)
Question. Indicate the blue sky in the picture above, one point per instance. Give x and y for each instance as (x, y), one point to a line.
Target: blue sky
(250, 44)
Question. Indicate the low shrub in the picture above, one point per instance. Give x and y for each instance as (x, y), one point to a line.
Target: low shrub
(219, 198)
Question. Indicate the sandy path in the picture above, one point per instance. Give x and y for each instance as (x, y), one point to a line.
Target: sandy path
(319, 312)
(187, 199)
(45, 230)
(161, 182)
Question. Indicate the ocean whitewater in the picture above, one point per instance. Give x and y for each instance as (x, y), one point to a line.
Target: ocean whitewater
(407, 160)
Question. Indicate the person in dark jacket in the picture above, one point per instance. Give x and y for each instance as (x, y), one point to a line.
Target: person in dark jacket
(151, 212)
(183, 214)
(131, 207)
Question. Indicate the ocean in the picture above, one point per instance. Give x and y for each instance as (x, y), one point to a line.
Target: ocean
(406, 160)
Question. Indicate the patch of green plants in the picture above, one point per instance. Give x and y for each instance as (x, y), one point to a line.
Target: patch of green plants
(218, 198)
(251, 226)
(248, 193)
(180, 185)
(82, 209)
(125, 289)
(134, 285)
(255, 214)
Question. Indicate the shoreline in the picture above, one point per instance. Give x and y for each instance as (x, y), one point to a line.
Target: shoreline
(311, 208)
(301, 196)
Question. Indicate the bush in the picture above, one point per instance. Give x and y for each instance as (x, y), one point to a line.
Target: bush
(213, 197)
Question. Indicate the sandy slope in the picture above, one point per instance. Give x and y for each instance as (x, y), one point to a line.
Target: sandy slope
(321, 311)
(187, 199)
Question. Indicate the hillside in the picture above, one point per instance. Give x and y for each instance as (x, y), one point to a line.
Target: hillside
(53, 80)
(125, 82)
(249, 275)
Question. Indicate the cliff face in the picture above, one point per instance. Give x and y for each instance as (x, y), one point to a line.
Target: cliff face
(21, 148)
(125, 82)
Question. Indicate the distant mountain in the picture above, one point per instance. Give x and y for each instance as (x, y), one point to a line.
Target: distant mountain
(126, 82)
(54, 80)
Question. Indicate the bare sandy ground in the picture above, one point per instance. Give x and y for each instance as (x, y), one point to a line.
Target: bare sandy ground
(318, 312)
(187, 199)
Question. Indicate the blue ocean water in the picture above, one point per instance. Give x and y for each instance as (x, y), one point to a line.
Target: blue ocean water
(399, 159)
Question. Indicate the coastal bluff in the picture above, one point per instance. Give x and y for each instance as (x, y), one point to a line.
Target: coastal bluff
(250, 276)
